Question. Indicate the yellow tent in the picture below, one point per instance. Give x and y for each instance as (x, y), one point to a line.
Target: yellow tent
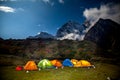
(74, 61)
(30, 66)
(83, 63)
(78, 64)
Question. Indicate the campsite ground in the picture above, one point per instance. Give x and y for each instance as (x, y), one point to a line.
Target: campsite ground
(101, 72)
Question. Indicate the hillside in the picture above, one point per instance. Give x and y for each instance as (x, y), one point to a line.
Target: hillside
(45, 48)
(105, 33)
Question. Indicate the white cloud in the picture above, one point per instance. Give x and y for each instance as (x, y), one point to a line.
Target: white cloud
(72, 36)
(61, 1)
(108, 11)
(48, 2)
(7, 9)
(38, 33)
(20, 9)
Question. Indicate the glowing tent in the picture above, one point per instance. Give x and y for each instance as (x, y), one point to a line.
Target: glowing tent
(56, 63)
(67, 62)
(74, 61)
(83, 63)
(45, 63)
(31, 65)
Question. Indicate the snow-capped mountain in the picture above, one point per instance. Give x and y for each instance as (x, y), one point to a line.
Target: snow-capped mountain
(71, 30)
(43, 35)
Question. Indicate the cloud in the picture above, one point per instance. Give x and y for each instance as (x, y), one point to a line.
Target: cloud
(7, 9)
(38, 33)
(20, 9)
(108, 11)
(48, 2)
(39, 25)
(61, 1)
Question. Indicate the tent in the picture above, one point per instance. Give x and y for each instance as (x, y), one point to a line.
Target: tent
(78, 64)
(74, 61)
(31, 65)
(56, 63)
(83, 63)
(45, 63)
(19, 68)
(67, 62)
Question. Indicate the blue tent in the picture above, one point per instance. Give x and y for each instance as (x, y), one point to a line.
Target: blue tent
(67, 62)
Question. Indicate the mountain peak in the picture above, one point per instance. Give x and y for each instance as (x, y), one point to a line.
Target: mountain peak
(105, 33)
(43, 35)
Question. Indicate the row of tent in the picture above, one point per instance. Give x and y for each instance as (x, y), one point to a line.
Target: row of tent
(45, 63)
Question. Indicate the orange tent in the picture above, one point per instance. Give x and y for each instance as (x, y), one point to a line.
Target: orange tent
(83, 63)
(56, 63)
(74, 61)
(30, 66)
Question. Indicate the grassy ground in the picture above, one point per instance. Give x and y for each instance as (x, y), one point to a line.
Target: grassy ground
(101, 72)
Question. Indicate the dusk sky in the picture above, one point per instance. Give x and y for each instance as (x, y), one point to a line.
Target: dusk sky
(22, 18)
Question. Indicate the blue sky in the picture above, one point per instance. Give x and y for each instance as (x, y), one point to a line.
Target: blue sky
(22, 18)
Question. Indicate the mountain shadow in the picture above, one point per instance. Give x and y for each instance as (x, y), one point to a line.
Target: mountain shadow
(106, 34)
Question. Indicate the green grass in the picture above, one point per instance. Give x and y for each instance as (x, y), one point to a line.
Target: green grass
(101, 72)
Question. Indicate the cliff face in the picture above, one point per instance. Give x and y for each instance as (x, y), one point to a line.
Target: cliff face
(106, 34)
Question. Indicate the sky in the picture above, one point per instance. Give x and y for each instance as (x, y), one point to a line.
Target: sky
(22, 18)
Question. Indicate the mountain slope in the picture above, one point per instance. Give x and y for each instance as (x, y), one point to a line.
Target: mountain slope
(105, 33)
